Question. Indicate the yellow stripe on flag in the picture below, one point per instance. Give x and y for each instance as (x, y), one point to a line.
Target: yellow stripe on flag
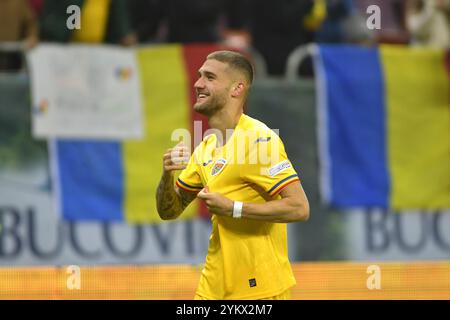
(164, 88)
(418, 127)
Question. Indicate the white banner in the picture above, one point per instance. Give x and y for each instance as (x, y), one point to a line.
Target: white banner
(81, 91)
(386, 235)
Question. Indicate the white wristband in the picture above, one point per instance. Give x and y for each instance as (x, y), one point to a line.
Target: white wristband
(237, 209)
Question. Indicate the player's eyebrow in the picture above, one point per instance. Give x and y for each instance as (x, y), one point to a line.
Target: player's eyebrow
(206, 73)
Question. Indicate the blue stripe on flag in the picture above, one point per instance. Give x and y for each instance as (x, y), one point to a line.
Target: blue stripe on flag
(90, 180)
(356, 126)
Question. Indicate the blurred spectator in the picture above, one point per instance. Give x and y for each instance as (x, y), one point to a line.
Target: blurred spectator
(17, 24)
(428, 22)
(145, 19)
(393, 26)
(37, 6)
(277, 28)
(193, 21)
(102, 21)
(332, 30)
(235, 32)
(196, 21)
(314, 20)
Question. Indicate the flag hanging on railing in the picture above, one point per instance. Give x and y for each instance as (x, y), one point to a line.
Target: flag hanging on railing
(384, 127)
(117, 181)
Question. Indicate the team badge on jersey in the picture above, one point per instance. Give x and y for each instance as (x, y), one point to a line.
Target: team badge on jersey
(218, 166)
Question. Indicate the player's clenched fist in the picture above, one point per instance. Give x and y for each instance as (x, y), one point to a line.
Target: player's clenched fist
(176, 158)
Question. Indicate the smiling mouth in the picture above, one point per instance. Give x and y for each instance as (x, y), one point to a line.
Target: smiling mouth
(201, 95)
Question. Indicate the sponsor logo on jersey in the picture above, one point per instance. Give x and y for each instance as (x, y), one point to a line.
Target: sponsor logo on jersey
(279, 167)
(207, 162)
(262, 139)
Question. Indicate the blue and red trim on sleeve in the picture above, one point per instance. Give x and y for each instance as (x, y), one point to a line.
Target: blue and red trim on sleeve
(283, 183)
(187, 187)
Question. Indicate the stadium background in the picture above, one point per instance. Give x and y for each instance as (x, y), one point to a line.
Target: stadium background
(343, 237)
(331, 253)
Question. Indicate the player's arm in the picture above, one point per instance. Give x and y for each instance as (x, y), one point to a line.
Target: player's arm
(281, 179)
(293, 205)
(171, 200)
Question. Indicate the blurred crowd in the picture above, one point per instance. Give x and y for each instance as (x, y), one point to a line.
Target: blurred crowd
(272, 28)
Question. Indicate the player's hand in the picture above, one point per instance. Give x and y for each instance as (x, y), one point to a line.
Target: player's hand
(176, 158)
(216, 203)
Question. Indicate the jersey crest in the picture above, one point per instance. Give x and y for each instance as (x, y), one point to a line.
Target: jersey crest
(218, 166)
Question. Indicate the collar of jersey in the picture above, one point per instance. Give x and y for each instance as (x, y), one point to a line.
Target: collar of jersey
(211, 139)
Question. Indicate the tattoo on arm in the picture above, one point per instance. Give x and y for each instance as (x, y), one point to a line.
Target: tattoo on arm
(186, 198)
(167, 201)
(170, 200)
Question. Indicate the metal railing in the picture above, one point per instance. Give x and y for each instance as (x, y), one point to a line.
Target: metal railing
(12, 47)
(295, 59)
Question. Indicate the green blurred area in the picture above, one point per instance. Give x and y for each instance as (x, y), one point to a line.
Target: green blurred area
(17, 147)
(289, 106)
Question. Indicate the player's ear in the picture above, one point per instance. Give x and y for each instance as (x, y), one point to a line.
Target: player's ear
(238, 89)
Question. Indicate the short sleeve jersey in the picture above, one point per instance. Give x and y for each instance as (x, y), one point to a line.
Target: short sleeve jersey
(247, 259)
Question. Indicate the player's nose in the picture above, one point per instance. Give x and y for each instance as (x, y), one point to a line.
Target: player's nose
(199, 84)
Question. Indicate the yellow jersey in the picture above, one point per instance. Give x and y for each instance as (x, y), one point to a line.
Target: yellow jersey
(247, 259)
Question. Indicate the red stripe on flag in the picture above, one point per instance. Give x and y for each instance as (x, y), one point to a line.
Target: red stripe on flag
(447, 66)
(194, 57)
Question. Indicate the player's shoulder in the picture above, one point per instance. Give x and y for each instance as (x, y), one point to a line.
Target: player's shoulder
(207, 141)
(249, 123)
(259, 129)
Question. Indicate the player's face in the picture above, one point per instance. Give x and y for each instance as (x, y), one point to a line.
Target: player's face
(212, 87)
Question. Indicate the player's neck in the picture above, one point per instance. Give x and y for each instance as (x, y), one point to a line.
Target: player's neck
(225, 120)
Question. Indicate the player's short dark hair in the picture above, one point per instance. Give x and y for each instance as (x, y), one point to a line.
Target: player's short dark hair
(236, 61)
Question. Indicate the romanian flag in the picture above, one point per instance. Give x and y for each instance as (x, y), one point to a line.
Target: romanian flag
(384, 127)
(117, 181)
